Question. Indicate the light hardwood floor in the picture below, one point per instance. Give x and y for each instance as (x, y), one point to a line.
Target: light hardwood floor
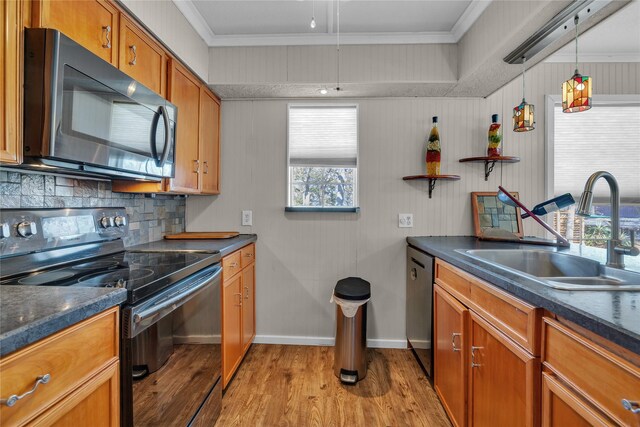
(280, 385)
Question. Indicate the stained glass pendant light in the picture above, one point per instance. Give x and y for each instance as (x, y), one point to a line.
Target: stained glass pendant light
(523, 114)
(576, 92)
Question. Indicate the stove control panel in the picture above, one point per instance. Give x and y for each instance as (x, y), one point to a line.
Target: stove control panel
(26, 231)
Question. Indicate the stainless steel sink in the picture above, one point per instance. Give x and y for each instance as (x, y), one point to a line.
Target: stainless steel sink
(558, 270)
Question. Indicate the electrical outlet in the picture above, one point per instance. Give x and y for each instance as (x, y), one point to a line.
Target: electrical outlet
(405, 220)
(247, 218)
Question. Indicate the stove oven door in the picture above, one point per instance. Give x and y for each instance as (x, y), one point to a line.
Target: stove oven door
(186, 389)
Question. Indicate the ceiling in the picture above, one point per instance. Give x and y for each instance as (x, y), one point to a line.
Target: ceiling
(615, 39)
(273, 23)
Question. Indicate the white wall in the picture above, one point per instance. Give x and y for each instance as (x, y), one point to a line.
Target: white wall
(301, 256)
(169, 24)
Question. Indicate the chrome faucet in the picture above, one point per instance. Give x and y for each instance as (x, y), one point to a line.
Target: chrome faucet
(615, 250)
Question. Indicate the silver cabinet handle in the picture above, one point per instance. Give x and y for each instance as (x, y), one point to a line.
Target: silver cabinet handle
(248, 254)
(240, 303)
(233, 265)
(473, 357)
(107, 34)
(631, 405)
(453, 341)
(246, 292)
(135, 55)
(205, 167)
(13, 399)
(196, 166)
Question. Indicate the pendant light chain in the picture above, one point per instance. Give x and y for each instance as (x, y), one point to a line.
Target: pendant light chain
(523, 76)
(338, 46)
(575, 21)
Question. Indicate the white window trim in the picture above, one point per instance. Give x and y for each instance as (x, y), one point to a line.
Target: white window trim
(551, 101)
(356, 180)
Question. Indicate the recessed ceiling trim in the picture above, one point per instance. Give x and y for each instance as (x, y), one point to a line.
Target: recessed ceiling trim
(330, 39)
(466, 20)
(195, 18)
(468, 17)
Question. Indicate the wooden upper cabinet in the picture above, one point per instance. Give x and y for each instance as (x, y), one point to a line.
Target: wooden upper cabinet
(141, 57)
(91, 23)
(451, 334)
(11, 42)
(209, 142)
(184, 92)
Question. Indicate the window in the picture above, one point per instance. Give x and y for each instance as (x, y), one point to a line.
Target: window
(606, 137)
(322, 158)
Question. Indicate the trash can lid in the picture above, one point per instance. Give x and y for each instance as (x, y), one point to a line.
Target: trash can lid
(353, 288)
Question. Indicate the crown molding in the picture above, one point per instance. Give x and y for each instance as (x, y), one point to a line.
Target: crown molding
(195, 18)
(197, 21)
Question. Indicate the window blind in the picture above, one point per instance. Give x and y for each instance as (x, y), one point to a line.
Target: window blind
(606, 137)
(323, 136)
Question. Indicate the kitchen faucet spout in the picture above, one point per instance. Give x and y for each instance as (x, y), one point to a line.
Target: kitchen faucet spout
(615, 250)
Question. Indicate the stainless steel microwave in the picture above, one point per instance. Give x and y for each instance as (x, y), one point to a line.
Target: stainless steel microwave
(84, 116)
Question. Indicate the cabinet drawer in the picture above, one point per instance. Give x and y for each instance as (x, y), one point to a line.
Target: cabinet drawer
(70, 357)
(247, 255)
(141, 57)
(231, 265)
(594, 372)
(515, 318)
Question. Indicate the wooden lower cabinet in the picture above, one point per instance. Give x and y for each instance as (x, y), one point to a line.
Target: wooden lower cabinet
(451, 337)
(248, 306)
(83, 364)
(238, 310)
(231, 326)
(503, 379)
(561, 407)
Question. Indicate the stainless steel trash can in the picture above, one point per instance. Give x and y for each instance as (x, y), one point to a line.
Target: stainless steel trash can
(350, 358)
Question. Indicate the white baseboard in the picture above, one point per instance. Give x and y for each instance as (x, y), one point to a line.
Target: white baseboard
(421, 344)
(325, 341)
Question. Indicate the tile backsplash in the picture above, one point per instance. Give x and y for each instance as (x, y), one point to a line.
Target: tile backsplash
(149, 218)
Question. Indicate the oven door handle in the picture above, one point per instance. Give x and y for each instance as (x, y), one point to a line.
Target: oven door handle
(147, 316)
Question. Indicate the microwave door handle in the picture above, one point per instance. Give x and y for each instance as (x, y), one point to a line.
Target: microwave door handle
(152, 139)
(167, 136)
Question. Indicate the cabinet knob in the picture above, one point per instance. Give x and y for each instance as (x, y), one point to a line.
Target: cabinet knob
(13, 399)
(107, 35)
(631, 405)
(453, 341)
(135, 56)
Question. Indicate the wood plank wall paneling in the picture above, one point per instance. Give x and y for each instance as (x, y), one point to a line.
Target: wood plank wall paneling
(301, 256)
(317, 64)
(170, 25)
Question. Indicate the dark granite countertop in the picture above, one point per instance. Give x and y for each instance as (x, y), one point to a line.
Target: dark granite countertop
(614, 315)
(224, 246)
(30, 313)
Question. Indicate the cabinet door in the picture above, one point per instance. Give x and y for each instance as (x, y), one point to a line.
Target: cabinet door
(11, 82)
(209, 142)
(562, 407)
(232, 298)
(91, 23)
(450, 354)
(96, 403)
(184, 92)
(141, 57)
(504, 379)
(248, 306)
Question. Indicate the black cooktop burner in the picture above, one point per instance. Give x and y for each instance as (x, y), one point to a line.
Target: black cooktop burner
(141, 273)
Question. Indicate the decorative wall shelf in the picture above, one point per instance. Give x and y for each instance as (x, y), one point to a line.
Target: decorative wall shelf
(432, 179)
(490, 162)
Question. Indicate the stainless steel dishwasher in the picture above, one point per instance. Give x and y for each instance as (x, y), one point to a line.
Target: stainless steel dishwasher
(420, 306)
